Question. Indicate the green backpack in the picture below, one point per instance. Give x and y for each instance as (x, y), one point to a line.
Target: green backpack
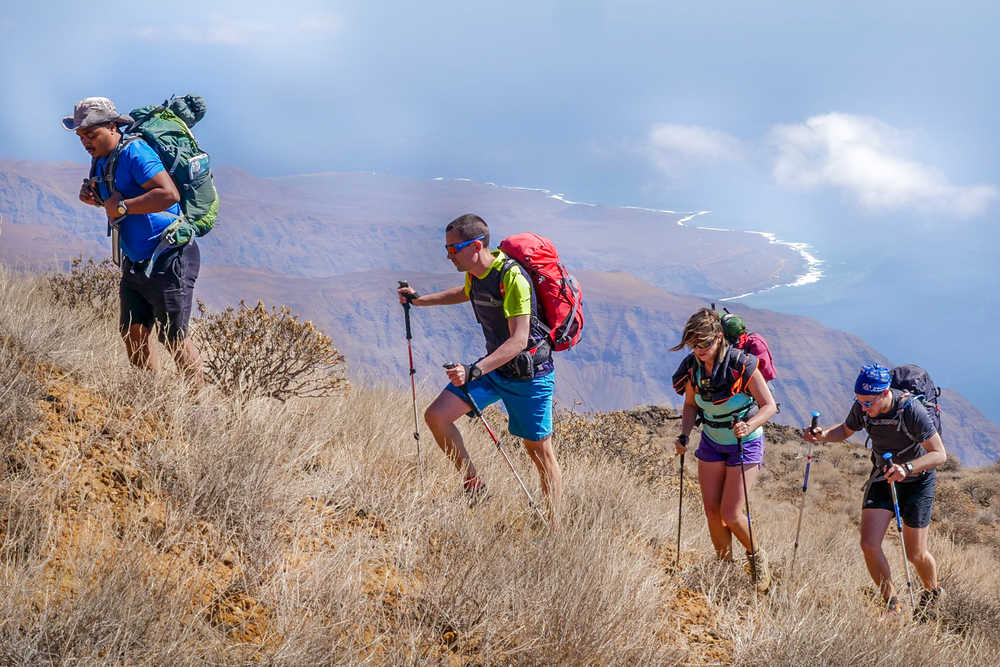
(167, 129)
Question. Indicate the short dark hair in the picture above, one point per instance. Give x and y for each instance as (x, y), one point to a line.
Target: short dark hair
(469, 226)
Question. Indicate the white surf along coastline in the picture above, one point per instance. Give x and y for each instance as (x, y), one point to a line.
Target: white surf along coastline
(812, 274)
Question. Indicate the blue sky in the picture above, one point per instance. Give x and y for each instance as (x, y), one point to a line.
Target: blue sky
(867, 129)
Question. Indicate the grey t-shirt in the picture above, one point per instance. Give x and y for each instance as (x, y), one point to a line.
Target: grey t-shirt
(886, 437)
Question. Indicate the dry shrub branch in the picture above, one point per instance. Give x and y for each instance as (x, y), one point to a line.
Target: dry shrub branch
(90, 284)
(252, 352)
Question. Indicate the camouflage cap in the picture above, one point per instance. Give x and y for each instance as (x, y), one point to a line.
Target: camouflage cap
(92, 111)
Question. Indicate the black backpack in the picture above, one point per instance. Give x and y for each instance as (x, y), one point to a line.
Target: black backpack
(916, 382)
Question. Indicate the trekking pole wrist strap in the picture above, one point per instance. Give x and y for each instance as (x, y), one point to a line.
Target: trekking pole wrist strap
(683, 439)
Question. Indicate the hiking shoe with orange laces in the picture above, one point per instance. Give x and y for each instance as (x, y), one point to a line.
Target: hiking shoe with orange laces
(926, 608)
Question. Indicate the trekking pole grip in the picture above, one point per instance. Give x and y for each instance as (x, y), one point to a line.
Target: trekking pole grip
(465, 390)
(406, 309)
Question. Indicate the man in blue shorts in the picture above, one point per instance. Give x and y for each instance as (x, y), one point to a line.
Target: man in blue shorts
(517, 368)
(130, 183)
(898, 423)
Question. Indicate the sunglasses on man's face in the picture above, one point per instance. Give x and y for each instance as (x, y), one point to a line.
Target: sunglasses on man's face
(866, 404)
(455, 247)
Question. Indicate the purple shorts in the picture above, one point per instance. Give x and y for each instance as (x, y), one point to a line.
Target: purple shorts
(710, 451)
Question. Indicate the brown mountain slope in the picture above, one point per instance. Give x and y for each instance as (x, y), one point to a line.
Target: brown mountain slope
(327, 224)
(141, 524)
(623, 360)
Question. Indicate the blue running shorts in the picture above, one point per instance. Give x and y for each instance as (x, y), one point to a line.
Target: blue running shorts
(528, 402)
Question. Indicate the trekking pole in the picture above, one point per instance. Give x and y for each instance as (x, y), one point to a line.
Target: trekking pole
(887, 457)
(413, 383)
(805, 486)
(680, 505)
(746, 501)
(496, 441)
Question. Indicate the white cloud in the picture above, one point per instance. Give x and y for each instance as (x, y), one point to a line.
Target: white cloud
(669, 146)
(238, 31)
(867, 159)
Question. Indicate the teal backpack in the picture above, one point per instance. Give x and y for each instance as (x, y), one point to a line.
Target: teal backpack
(167, 129)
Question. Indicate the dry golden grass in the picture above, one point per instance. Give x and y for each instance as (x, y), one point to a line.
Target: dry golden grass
(139, 525)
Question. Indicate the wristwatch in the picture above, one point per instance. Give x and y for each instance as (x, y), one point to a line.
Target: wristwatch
(473, 372)
(122, 208)
(909, 467)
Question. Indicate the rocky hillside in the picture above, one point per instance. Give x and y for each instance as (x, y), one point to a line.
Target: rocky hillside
(144, 523)
(624, 359)
(332, 246)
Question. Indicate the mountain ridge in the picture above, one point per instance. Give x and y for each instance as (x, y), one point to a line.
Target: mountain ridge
(332, 246)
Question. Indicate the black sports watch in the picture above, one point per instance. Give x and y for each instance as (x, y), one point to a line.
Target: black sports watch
(473, 372)
(909, 467)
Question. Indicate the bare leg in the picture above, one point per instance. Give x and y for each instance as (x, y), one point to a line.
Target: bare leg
(874, 523)
(550, 474)
(188, 361)
(711, 478)
(440, 417)
(734, 512)
(139, 346)
(917, 553)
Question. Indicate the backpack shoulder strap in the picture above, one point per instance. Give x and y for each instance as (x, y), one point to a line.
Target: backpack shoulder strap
(683, 374)
(746, 368)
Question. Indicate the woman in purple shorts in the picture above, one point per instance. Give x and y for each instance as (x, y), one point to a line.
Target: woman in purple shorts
(721, 386)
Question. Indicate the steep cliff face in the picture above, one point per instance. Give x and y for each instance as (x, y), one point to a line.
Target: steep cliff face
(623, 360)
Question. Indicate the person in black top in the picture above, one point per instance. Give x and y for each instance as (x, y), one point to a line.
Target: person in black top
(897, 422)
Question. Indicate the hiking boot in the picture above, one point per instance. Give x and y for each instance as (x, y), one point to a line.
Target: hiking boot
(926, 608)
(891, 607)
(758, 567)
(475, 490)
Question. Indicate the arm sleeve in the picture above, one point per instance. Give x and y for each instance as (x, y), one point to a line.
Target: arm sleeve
(918, 422)
(142, 161)
(854, 420)
(516, 293)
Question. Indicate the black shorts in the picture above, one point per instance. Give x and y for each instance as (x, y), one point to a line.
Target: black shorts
(915, 499)
(164, 298)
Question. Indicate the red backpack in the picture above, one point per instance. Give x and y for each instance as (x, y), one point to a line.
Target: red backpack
(560, 300)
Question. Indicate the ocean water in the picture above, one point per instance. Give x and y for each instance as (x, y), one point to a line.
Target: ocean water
(925, 295)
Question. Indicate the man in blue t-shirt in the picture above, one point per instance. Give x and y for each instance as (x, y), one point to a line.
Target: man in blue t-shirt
(141, 200)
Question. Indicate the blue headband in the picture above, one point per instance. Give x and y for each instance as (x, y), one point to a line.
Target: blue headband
(872, 380)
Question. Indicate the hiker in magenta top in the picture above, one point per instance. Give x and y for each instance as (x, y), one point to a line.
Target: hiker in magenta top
(141, 199)
(517, 368)
(722, 385)
(898, 423)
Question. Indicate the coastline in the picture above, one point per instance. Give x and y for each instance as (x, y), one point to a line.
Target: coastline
(813, 273)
